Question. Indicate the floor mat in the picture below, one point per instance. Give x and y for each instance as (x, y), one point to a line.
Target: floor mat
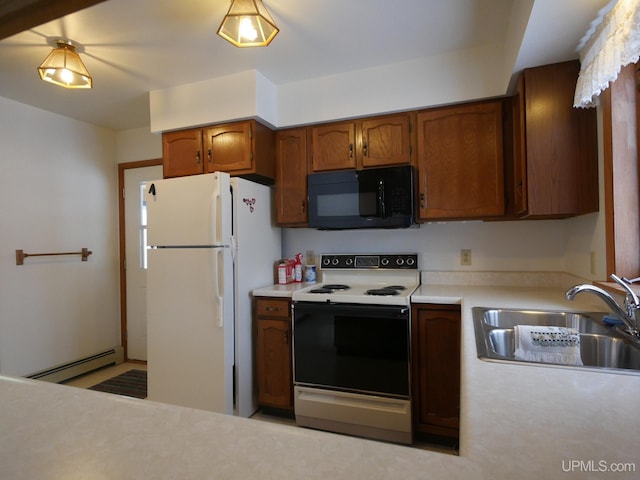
(132, 383)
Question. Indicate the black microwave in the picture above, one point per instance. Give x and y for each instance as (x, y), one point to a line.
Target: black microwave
(372, 198)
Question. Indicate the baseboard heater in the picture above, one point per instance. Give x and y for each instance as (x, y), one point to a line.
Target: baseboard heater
(68, 370)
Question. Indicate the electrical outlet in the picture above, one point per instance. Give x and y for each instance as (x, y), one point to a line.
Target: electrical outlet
(465, 256)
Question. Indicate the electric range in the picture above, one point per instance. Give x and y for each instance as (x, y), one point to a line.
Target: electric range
(351, 346)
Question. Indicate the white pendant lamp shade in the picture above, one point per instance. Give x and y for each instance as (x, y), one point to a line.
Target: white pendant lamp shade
(248, 24)
(64, 67)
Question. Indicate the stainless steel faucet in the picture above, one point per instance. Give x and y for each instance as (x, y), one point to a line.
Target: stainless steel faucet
(629, 314)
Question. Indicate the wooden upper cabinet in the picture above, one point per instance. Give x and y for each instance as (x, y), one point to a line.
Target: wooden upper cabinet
(182, 153)
(385, 141)
(240, 148)
(460, 162)
(555, 152)
(291, 177)
(370, 142)
(229, 147)
(333, 146)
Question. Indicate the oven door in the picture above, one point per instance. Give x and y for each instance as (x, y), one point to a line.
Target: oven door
(354, 348)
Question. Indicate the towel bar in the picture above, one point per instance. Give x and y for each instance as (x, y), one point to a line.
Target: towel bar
(20, 255)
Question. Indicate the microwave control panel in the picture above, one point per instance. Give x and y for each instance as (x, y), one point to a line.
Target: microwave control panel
(393, 261)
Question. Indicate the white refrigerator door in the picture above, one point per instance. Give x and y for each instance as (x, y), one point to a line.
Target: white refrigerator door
(193, 210)
(190, 328)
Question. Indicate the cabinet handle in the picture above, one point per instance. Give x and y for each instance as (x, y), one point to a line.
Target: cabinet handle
(286, 337)
(273, 309)
(198, 156)
(303, 206)
(365, 149)
(351, 150)
(422, 201)
(209, 155)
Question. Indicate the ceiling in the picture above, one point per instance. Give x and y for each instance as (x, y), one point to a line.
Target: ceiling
(134, 46)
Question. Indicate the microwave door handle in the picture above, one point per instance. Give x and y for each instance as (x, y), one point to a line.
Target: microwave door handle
(381, 203)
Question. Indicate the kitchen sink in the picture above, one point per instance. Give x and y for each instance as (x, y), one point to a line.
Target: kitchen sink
(601, 346)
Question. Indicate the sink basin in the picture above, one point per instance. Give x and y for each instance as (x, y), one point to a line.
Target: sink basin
(601, 347)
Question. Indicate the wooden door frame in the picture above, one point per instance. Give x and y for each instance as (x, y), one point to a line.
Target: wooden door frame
(620, 109)
(121, 227)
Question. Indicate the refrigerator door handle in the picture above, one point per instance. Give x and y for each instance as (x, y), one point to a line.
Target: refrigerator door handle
(216, 218)
(219, 265)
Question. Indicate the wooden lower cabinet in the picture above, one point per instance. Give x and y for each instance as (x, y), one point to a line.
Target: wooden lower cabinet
(273, 353)
(435, 369)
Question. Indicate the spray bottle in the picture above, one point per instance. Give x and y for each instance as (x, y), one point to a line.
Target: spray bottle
(297, 268)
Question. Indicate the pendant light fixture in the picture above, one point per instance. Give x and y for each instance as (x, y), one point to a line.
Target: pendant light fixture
(248, 24)
(64, 67)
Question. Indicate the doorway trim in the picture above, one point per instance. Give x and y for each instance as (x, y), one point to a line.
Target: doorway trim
(121, 228)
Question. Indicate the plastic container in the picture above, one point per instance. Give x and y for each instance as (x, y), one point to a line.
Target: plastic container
(310, 274)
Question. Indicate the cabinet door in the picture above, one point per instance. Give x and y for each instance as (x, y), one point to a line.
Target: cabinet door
(436, 369)
(333, 146)
(560, 144)
(182, 153)
(386, 141)
(291, 177)
(460, 162)
(229, 148)
(273, 352)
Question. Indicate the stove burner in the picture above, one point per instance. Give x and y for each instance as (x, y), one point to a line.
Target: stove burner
(321, 290)
(396, 287)
(383, 291)
(336, 286)
(330, 288)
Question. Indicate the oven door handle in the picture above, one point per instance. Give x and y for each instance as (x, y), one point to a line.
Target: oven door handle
(360, 309)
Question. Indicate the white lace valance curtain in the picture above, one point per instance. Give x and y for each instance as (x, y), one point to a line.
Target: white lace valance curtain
(614, 43)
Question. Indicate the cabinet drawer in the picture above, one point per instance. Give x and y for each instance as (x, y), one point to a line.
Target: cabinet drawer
(270, 307)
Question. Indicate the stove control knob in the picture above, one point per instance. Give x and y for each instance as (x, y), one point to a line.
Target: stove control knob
(400, 261)
(384, 261)
(335, 261)
(411, 261)
(326, 261)
(349, 261)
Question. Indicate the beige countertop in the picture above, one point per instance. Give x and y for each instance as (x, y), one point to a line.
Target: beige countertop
(285, 290)
(517, 421)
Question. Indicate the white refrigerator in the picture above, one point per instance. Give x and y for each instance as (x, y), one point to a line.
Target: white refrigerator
(211, 243)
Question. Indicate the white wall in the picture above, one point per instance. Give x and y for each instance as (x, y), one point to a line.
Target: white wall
(58, 194)
(536, 245)
(138, 144)
(456, 77)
